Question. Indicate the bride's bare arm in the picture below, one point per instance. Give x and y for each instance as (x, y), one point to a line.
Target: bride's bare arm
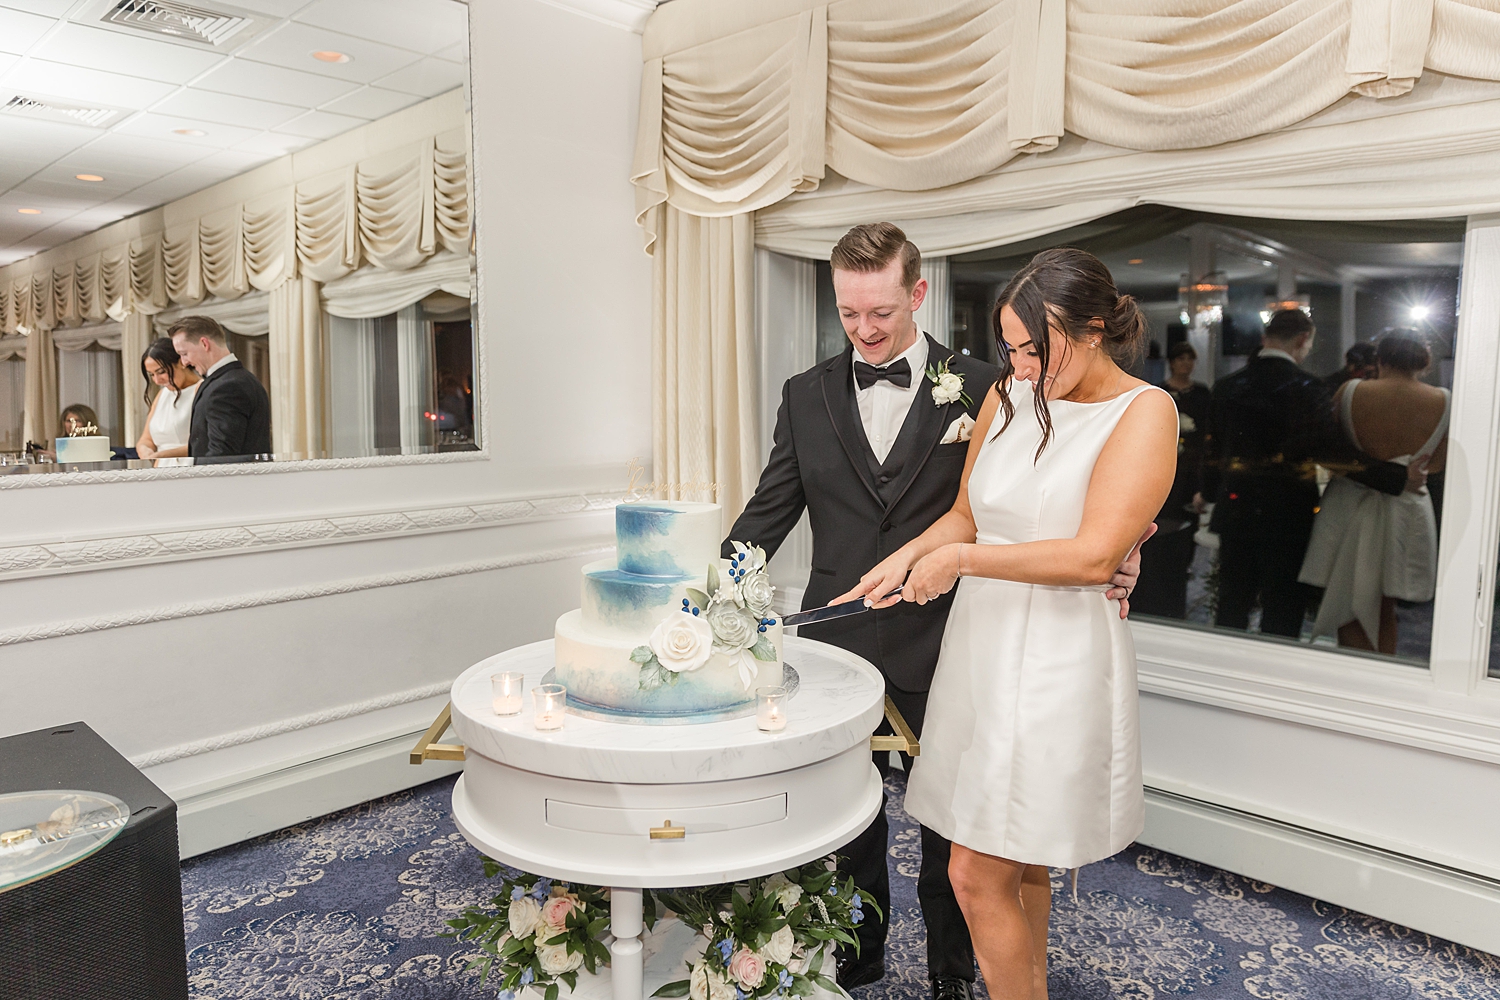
(1131, 481)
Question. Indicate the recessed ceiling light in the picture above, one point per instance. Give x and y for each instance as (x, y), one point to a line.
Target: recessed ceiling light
(91, 178)
(29, 211)
(189, 131)
(330, 56)
(1137, 260)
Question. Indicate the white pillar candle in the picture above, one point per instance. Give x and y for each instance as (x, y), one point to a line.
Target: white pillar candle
(550, 705)
(507, 688)
(770, 709)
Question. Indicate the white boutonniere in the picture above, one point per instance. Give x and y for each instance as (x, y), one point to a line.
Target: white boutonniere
(947, 386)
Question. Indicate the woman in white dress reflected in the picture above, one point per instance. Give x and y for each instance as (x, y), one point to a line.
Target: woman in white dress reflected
(1031, 752)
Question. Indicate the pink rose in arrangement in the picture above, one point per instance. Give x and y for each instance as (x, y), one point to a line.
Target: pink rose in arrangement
(748, 968)
(555, 912)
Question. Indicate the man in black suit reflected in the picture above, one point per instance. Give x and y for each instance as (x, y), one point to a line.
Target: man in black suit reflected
(231, 412)
(873, 448)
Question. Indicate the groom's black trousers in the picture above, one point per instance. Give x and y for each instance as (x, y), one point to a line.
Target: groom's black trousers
(950, 954)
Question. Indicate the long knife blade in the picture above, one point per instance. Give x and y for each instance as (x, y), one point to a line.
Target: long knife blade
(828, 614)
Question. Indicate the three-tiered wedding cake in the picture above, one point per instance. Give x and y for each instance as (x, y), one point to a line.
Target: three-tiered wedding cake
(668, 631)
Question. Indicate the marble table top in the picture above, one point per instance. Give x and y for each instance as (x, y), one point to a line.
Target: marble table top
(839, 704)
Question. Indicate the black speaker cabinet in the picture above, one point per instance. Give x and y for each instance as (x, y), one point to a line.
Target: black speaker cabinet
(110, 927)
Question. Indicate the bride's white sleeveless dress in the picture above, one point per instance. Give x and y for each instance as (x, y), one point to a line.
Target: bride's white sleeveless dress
(1031, 745)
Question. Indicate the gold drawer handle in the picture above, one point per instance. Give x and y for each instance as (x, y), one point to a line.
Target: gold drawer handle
(668, 832)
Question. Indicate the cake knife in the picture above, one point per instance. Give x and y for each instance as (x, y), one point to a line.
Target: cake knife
(829, 613)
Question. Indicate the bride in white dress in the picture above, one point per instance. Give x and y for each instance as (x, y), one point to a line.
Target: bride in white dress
(1031, 752)
(170, 419)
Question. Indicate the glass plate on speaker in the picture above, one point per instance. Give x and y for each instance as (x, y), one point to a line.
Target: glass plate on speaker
(43, 832)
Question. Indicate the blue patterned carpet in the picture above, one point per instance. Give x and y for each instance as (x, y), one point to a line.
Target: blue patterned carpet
(348, 907)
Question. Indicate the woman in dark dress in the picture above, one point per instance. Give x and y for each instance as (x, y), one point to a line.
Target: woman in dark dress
(1168, 555)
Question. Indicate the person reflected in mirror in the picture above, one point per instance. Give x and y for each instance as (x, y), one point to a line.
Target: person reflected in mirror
(1272, 426)
(1370, 549)
(231, 413)
(77, 418)
(1031, 757)
(170, 417)
(1359, 362)
(1167, 558)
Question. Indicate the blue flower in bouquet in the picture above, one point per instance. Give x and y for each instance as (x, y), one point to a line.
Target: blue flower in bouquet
(542, 888)
(517, 893)
(740, 994)
(506, 995)
(858, 908)
(528, 976)
(783, 981)
(726, 948)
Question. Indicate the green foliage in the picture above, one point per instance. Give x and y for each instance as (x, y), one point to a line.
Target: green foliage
(763, 649)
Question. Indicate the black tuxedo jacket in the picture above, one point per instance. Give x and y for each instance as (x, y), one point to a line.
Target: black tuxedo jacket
(862, 510)
(231, 416)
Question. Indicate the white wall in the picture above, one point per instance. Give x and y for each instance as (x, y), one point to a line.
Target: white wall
(323, 612)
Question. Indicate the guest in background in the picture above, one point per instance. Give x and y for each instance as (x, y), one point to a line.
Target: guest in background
(1272, 426)
(231, 414)
(169, 420)
(1359, 362)
(1168, 556)
(75, 419)
(1370, 549)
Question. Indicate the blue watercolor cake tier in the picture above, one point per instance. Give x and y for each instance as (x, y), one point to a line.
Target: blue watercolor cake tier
(668, 630)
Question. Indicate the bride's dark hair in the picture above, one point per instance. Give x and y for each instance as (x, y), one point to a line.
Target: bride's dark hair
(1065, 288)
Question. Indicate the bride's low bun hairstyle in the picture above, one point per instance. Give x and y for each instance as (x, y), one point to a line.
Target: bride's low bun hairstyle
(1066, 289)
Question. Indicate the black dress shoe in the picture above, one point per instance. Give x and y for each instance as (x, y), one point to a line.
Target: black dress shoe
(852, 973)
(952, 988)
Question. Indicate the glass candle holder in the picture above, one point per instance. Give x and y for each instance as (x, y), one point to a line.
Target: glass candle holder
(770, 709)
(550, 704)
(507, 688)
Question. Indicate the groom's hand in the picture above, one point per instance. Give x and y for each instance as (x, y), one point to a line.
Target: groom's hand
(877, 586)
(1128, 572)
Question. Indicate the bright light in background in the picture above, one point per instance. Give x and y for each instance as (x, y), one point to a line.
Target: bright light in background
(91, 178)
(29, 211)
(189, 131)
(329, 56)
(1136, 260)
(1419, 313)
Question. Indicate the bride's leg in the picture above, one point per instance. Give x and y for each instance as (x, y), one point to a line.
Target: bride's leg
(989, 893)
(1036, 900)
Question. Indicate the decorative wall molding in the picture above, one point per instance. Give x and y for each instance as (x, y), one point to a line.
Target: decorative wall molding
(628, 14)
(31, 480)
(80, 626)
(334, 714)
(46, 558)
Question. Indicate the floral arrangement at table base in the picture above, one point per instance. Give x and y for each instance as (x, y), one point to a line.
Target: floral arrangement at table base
(762, 938)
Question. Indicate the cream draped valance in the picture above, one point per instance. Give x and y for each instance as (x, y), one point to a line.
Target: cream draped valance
(389, 204)
(744, 104)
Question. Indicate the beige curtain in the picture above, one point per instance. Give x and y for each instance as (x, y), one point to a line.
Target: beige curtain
(40, 424)
(299, 353)
(136, 334)
(703, 357)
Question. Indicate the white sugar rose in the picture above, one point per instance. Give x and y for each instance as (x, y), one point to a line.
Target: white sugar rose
(555, 959)
(779, 948)
(524, 916)
(733, 627)
(949, 388)
(757, 591)
(682, 643)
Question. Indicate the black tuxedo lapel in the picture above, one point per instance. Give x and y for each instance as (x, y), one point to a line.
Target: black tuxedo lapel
(932, 422)
(843, 410)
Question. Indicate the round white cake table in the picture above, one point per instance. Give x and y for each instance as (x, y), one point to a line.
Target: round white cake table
(666, 806)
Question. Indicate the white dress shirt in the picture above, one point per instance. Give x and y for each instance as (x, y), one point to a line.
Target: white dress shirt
(883, 407)
(1271, 352)
(226, 359)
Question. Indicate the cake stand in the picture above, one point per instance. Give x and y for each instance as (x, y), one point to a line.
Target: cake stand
(651, 806)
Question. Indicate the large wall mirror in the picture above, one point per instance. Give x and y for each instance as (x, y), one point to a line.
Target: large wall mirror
(298, 171)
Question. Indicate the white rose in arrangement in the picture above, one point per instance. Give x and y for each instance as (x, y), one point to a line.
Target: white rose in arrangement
(733, 627)
(949, 388)
(698, 983)
(758, 592)
(705, 984)
(682, 643)
(524, 915)
(787, 893)
(779, 948)
(555, 959)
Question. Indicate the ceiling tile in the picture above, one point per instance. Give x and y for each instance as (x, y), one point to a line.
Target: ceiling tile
(117, 52)
(63, 176)
(7, 60)
(320, 125)
(423, 25)
(457, 52)
(274, 83)
(64, 191)
(371, 102)
(275, 8)
(19, 30)
(229, 109)
(24, 140)
(135, 152)
(274, 144)
(154, 126)
(80, 84)
(427, 78)
(47, 8)
(292, 44)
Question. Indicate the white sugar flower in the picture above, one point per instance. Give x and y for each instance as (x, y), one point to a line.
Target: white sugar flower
(682, 642)
(758, 592)
(733, 628)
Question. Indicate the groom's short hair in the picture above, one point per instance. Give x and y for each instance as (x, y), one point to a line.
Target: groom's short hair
(197, 327)
(873, 246)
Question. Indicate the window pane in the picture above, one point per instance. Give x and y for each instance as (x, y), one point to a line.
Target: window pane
(1294, 516)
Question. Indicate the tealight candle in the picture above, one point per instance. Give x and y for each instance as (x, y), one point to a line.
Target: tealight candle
(550, 705)
(507, 688)
(770, 709)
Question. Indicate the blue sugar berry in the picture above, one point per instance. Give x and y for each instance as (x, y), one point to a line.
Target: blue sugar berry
(695, 611)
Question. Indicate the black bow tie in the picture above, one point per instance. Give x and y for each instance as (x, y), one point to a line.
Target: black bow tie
(898, 374)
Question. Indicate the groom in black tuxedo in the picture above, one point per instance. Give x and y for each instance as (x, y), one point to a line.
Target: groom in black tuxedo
(231, 419)
(873, 448)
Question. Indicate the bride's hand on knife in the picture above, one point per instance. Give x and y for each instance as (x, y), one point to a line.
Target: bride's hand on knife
(876, 585)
